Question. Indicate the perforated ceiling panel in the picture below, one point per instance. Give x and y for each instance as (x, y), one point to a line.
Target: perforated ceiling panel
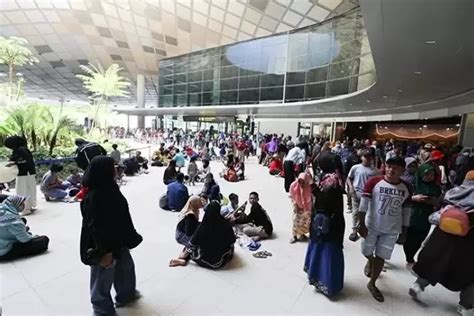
(136, 34)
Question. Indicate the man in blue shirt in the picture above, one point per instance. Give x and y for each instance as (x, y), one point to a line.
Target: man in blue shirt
(177, 194)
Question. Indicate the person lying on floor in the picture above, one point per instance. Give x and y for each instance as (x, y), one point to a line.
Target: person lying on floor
(15, 239)
(187, 225)
(52, 187)
(257, 224)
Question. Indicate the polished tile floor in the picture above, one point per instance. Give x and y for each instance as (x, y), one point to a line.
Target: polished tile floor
(56, 283)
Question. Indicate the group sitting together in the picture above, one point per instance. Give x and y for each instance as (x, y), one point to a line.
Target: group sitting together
(210, 243)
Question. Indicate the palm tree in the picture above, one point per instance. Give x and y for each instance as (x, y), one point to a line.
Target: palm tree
(103, 84)
(14, 53)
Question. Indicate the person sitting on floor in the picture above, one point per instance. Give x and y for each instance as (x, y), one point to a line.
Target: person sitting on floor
(276, 166)
(15, 239)
(142, 162)
(212, 244)
(206, 169)
(51, 186)
(257, 224)
(157, 158)
(239, 167)
(209, 182)
(187, 225)
(177, 194)
(131, 166)
(75, 178)
(170, 173)
(232, 206)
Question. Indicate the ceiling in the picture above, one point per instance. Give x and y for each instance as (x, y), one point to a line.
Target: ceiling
(424, 59)
(136, 34)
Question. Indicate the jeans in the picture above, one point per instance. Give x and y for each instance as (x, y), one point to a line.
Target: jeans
(59, 192)
(121, 275)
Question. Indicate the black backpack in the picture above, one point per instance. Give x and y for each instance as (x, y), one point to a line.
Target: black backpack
(87, 152)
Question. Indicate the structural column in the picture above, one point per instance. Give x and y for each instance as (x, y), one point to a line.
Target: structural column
(467, 131)
(140, 99)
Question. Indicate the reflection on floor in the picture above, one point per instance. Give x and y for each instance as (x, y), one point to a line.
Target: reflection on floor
(56, 283)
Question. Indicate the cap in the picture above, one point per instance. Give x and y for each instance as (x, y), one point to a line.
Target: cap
(436, 155)
(397, 161)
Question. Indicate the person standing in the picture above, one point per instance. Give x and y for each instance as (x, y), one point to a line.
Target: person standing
(324, 262)
(357, 178)
(26, 179)
(425, 198)
(302, 199)
(107, 235)
(295, 157)
(387, 200)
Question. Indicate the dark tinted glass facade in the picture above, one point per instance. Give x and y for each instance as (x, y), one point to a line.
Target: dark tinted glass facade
(320, 61)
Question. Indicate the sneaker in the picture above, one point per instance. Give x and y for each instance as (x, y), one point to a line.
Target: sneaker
(415, 291)
(353, 236)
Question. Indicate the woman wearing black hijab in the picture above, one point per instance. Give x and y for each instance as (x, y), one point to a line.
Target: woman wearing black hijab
(26, 179)
(213, 242)
(107, 234)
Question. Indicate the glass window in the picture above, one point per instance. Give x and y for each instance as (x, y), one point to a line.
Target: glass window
(229, 84)
(208, 74)
(195, 76)
(317, 74)
(294, 93)
(209, 99)
(342, 69)
(194, 87)
(271, 94)
(249, 96)
(179, 78)
(249, 82)
(228, 97)
(207, 85)
(166, 101)
(338, 87)
(180, 88)
(166, 90)
(166, 70)
(295, 78)
(365, 81)
(229, 72)
(271, 80)
(194, 99)
(315, 91)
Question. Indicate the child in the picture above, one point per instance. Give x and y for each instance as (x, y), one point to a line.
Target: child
(192, 170)
(75, 177)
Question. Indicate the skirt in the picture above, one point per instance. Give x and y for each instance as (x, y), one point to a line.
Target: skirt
(301, 222)
(324, 265)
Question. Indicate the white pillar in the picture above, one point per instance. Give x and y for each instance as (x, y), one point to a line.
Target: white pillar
(140, 99)
(467, 131)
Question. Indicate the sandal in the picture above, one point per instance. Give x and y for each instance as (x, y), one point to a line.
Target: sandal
(367, 269)
(260, 254)
(378, 296)
(293, 240)
(267, 253)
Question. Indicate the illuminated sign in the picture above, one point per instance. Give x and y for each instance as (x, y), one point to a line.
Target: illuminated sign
(209, 119)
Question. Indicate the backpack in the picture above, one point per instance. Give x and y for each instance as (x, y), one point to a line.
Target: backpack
(231, 175)
(455, 221)
(86, 153)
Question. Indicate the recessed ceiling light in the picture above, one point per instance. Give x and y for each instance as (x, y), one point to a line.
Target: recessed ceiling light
(430, 42)
(368, 101)
(457, 125)
(425, 118)
(350, 104)
(385, 96)
(417, 72)
(425, 126)
(400, 90)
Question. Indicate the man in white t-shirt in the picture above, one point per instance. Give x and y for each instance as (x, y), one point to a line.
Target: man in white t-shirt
(356, 179)
(386, 200)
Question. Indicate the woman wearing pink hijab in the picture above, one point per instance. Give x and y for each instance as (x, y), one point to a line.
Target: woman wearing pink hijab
(301, 196)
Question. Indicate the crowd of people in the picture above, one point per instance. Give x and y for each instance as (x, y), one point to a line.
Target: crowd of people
(396, 193)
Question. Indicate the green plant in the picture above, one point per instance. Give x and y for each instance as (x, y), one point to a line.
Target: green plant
(103, 84)
(14, 54)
